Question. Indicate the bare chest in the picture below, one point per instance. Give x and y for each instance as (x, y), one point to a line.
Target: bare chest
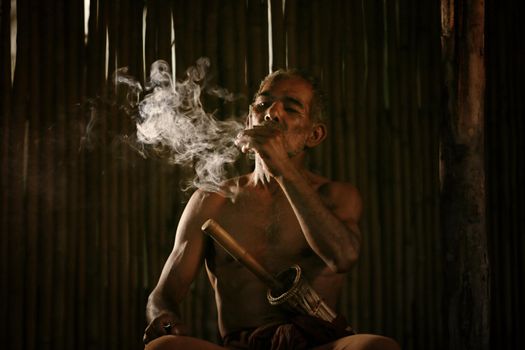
(267, 228)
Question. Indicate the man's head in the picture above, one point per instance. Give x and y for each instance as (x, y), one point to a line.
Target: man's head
(317, 103)
(291, 101)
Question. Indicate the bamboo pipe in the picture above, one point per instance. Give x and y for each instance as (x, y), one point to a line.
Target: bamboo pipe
(223, 238)
(297, 296)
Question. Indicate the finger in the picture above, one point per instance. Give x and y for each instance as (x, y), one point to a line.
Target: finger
(148, 338)
(254, 138)
(251, 146)
(243, 143)
(153, 331)
(270, 124)
(262, 128)
(261, 131)
(246, 143)
(173, 327)
(148, 335)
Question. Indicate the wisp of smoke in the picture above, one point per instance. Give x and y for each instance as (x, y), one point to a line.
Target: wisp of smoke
(172, 120)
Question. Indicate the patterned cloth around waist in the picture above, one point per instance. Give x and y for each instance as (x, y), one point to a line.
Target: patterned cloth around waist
(301, 332)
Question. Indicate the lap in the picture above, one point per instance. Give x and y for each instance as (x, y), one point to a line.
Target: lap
(353, 342)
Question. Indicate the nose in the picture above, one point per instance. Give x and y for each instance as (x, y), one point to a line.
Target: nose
(272, 113)
(269, 117)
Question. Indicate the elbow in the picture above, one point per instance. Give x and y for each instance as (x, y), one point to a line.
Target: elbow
(342, 266)
(344, 262)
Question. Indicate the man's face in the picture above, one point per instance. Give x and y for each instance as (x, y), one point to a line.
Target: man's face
(285, 103)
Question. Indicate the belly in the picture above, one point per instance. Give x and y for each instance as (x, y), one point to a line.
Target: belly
(241, 300)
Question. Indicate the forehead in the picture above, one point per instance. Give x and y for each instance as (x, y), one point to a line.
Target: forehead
(290, 86)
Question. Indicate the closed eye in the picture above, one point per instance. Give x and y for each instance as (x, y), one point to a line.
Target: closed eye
(291, 110)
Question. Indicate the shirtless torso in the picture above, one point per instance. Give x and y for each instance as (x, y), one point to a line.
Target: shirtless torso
(269, 230)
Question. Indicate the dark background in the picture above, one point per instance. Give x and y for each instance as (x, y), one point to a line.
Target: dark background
(86, 223)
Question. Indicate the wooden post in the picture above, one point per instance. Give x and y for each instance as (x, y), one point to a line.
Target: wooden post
(466, 274)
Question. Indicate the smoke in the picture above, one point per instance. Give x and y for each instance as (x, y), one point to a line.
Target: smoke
(172, 122)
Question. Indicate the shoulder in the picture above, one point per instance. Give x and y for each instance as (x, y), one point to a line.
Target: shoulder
(201, 206)
(204, 202)
(343, 198)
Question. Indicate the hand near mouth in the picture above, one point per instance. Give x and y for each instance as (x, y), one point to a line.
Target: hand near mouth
(268, 141)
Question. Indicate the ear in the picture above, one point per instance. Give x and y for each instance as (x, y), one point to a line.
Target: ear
(317, 135)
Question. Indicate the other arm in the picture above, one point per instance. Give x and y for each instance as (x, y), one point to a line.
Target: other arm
(178, 273)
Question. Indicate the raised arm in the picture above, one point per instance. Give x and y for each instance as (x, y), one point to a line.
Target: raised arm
(180, 269)
(328, 217)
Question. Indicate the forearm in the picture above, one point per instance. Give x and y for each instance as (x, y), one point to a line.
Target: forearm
(333, 241)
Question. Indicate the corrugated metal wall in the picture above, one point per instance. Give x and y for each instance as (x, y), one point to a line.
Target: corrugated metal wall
(86, 223)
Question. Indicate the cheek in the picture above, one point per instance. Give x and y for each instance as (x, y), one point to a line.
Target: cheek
(300, 127)
(300, 134)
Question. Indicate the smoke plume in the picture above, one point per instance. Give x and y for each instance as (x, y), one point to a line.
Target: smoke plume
(172, 121)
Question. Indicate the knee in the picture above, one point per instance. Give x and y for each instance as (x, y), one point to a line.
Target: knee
(378, 342)
(168, 342)
(165, 342)
(180, 342)
(366, 342)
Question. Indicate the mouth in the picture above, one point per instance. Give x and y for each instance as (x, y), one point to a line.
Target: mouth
(273, 124)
